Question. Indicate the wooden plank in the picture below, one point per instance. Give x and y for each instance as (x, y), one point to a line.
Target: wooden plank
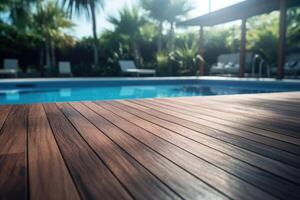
(200, 168)
(48, 176)
(13, 155)
(248, 106)
(183, 183)
(262, 179)
(287, 98)
(4, 111)
(268, 117)
(268, 103)
(140, 183)
(236, 140)
(260, 104)
(294, 149)
(92, 178)
(257, 125)
(240, 110)
(290, 105)
(254, 159)
(252, 124)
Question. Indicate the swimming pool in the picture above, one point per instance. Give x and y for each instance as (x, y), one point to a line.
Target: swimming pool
(78, 89)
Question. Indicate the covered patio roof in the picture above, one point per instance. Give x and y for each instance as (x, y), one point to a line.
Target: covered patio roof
(242, 10)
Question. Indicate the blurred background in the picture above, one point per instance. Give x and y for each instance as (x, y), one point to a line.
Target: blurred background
(94, 35)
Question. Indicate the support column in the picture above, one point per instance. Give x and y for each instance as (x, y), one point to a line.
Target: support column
(282, 40)
(243, 48)
(201, 51)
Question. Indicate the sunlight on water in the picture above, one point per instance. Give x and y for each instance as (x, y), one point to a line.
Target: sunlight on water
(118, 92)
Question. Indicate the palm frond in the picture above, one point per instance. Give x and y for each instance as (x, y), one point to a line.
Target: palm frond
(79, 7)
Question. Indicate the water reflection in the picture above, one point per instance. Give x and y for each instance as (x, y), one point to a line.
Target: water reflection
(40, 95)
(12, 95)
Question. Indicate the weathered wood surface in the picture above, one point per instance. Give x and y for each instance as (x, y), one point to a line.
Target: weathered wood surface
(229, 147)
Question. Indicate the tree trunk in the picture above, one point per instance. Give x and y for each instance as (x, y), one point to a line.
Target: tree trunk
(136, 51)
(53, 60)
(159, 41)
(48, 56)
(96, 54)
(172, 37)
(42, 61)
(14, 14)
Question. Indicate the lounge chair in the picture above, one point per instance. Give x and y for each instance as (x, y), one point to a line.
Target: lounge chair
(64, 69)
(219, 67)
(292, 65)
(128, 67)
(230, 64)
(10, 67)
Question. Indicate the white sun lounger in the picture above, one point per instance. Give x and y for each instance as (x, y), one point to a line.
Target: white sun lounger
(64, 68)
(128, 67)
(10, 67)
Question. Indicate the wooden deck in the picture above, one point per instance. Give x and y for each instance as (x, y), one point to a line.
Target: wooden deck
(221, 147)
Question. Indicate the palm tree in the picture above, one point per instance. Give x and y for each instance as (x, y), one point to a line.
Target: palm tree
(157, 10)
(20, 12)
(89, 7)
(175, 10)
(128, 24)
(49, 22)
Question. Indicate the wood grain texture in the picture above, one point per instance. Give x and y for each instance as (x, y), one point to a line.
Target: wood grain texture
(191, 163)
(270, 117)
(254, 159)
(254, 124)
(284, 110)
(92, 177)
(141, 183)
(294, 149)
(48, 176)
(234, 139)
(223, 161)
(183, 183)
(4, 111)
(229, 147)
(13, 158)
(251, 125)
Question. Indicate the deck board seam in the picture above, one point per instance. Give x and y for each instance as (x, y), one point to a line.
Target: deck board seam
(248, 111)
(253, 109)
(92, 149)
(6, 117)
(266, 128)
(223, 130)
(236, 136)
(125, 150)
(259, 106)
(208, 147)
(171, 160)
(238, 177)
(201, 115)
(61, 154)
(158, 154)
(27, 155)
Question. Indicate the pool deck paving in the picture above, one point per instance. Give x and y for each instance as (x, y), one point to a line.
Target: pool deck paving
(213, 147)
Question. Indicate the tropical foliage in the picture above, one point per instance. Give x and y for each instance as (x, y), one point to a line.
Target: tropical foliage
(49, 22)
(128, 26)
(89, 7)
(37, 33)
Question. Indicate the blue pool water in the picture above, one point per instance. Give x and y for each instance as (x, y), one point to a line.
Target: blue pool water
(36, 92)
